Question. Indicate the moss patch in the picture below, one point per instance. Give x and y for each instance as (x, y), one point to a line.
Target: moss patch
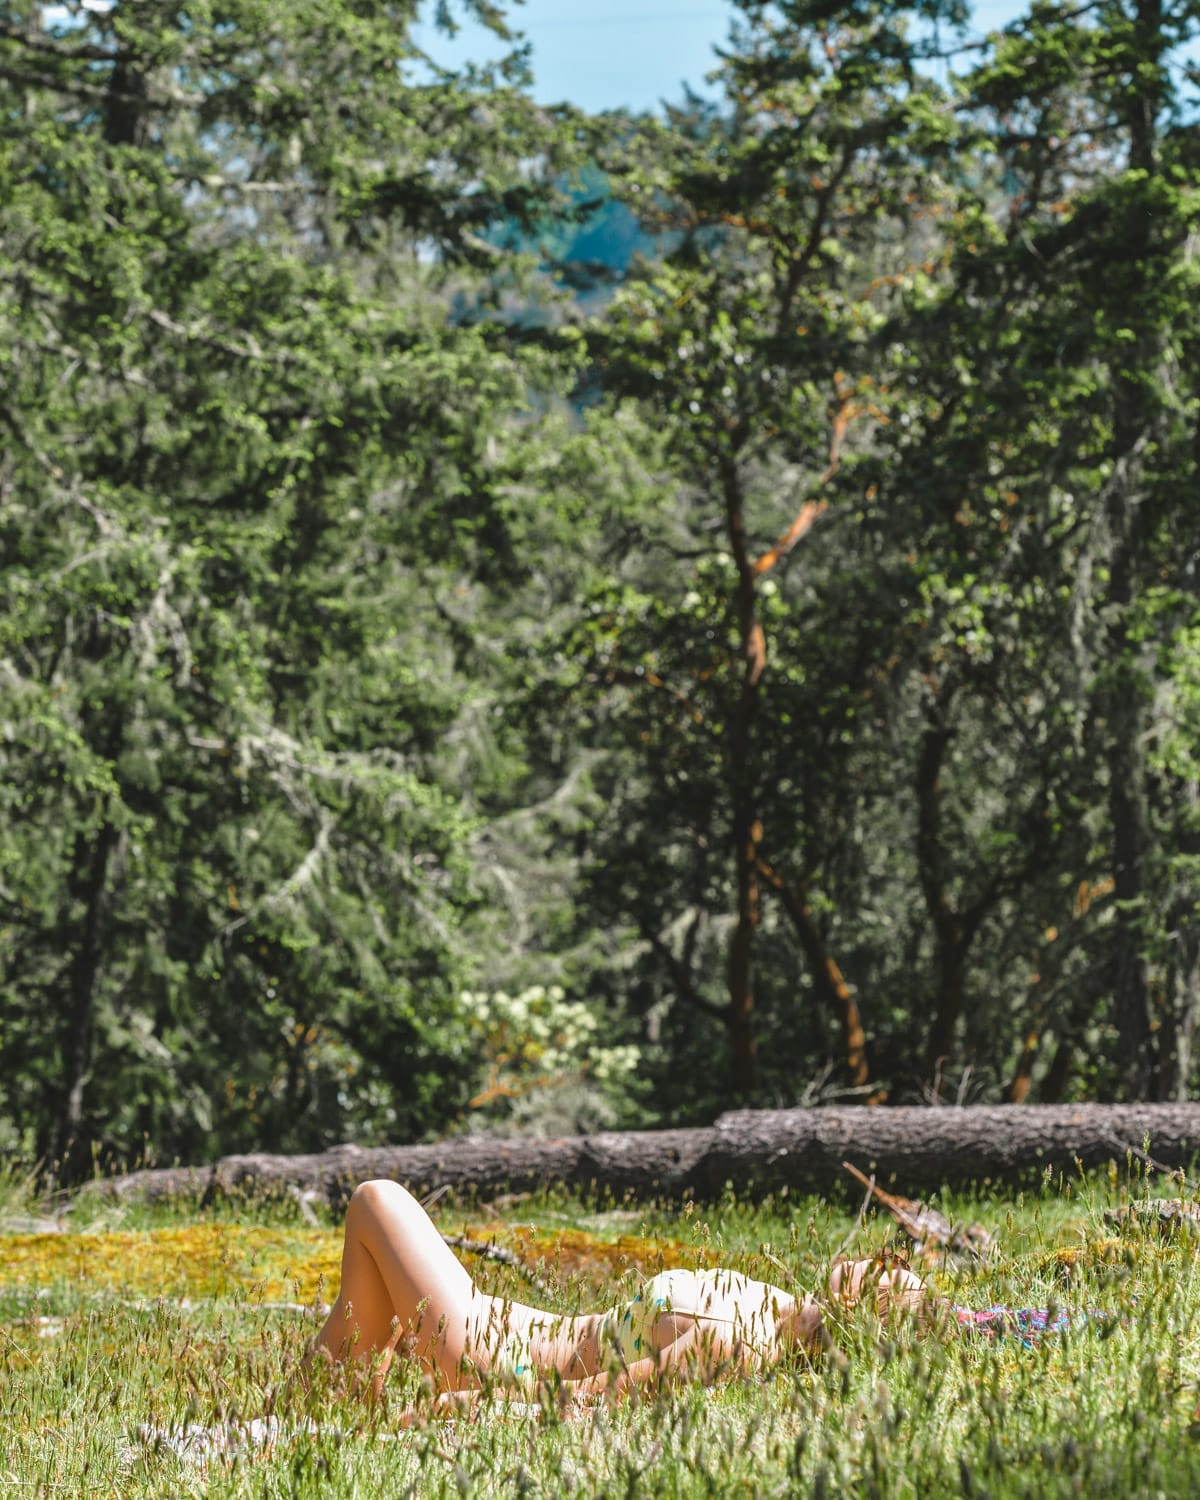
(202, 1260)
(294, 1264)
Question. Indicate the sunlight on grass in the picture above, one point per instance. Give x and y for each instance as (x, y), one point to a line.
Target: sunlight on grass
(111, 1339)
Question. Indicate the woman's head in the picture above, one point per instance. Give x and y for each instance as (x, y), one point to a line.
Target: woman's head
(897, 1290)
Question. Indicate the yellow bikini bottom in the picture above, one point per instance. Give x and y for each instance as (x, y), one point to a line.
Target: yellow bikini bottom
(630, 1329)
(626, 1329)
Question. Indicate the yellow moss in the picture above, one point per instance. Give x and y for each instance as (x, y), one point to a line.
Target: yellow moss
(576, 1252)
(230, 1260)
(1069, 1259)
(203, 1260)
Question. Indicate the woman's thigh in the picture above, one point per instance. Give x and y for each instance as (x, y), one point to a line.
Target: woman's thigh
(399, 1275)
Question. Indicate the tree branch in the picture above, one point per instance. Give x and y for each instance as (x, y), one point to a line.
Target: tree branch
(682, 979)
(827, 976)
(844, 413)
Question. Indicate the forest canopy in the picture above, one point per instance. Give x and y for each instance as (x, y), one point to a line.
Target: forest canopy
(515, 619)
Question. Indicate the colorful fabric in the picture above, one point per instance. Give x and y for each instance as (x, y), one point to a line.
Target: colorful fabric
(1027, 1324)
(628, 1329)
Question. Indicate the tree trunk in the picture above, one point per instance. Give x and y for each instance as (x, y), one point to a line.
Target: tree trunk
(1018, 1089)
(915, 1150)
(1179, 1029)
(1126, 699)
(1181, 1013)
(92, 887)
(124, 106)
(827, 977)
(1130, 825)
(1058, 1074)
(747, 830)
(950, 934)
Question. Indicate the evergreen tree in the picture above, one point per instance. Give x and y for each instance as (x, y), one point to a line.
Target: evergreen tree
(250, 456)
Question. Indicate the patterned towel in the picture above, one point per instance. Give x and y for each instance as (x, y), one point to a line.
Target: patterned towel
(1027, 1324)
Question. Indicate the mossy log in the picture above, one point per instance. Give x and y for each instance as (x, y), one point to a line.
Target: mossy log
(752, 1152)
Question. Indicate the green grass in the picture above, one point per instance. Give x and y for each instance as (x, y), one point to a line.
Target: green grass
(166, 1318)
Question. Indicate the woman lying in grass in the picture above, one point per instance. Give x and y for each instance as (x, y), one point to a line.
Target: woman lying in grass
(403, 1288)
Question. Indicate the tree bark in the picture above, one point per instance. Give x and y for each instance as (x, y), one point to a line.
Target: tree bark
(747, 830)
(79, 1021)
(828, 979)
(915, 1150)
(1130, 828)
(953, 930)
(1181, 1010)
(1125, 703)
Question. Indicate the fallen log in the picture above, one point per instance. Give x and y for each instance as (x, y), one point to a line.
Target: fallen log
(754, 1152)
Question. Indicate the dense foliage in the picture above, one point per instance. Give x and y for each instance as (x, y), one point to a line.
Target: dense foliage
(731, 577)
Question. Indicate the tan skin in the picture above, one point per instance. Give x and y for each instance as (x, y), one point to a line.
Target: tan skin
(402, 1287)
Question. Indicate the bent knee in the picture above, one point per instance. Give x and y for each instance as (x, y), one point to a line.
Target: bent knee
(376, 1194)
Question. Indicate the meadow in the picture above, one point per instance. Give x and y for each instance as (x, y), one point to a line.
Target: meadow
(119, 1327)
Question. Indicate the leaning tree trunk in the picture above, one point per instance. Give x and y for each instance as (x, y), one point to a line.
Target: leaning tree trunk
(917, 1150)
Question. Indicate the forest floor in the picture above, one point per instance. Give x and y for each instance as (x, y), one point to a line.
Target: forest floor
(140, 1351)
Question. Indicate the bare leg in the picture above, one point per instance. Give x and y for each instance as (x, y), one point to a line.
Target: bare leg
(399, 1279)
(801, 1326)
(402, 1286)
